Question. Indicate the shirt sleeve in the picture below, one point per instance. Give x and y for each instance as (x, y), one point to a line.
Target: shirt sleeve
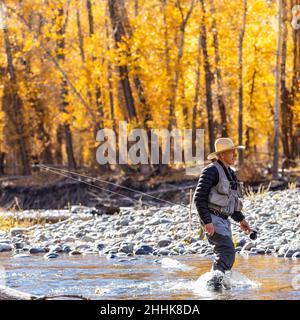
(208, 178)
(237, 216)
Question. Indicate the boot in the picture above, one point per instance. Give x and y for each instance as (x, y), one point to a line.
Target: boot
(215, 283)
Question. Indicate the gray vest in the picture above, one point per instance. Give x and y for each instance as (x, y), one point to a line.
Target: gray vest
(222, 197)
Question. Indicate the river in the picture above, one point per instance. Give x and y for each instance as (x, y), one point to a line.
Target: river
(145, 277)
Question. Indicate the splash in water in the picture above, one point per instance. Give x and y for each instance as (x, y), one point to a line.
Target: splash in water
(174, 264)
(232, 280)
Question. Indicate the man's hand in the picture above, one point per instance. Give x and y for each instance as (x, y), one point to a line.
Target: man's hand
(210, 229)
(245, 226)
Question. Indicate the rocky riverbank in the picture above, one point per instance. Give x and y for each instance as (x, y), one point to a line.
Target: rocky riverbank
(158, 231)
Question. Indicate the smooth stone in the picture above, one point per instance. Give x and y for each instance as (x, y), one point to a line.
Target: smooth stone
(164, 252)
(66, 249)
(17, 231)
(260, 251)
(35, 250)
(248, 246)
(289, 253)
(144, 250)
(296, 255)
(5, 241)
(51, 255)
(79, 235)
(41, 238)
(19, 245)
(88, 239)
(127, 248)
(82, 247)
(241, 243)
(74, 253)
(166, 220)
(56, 249)
(124, 222)
(100, 246)
(4, 247)
(153, 222)
(68, 239)
(164, 243)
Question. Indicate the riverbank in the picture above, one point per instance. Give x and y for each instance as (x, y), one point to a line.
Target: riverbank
(46, 190)
(158, 231)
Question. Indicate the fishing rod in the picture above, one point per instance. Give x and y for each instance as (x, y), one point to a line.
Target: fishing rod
(64, 172)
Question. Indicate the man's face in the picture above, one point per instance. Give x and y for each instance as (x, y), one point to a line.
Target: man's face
(228, 157)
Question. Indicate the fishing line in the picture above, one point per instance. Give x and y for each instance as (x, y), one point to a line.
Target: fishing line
(63, 172)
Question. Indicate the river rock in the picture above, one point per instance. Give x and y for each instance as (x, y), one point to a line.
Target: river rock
(17, 231)
(127, 248)
(35, 250)
(296, 255)
(164, 243)
(74, 253)
(100, 246)
(248, 246)
(51, 255)
(144, 249)
(5, 247)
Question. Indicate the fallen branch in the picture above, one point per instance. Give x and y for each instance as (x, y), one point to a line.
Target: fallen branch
(13, 294)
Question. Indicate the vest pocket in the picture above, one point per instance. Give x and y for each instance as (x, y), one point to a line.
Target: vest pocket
(218, 199)
(224, 186)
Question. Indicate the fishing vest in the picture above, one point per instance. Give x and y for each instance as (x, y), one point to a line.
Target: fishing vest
(223, 197)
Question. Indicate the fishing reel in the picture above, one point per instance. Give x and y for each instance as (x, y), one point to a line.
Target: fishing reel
(253, 234)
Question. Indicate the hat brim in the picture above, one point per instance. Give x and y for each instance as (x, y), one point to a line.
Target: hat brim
(214, 154)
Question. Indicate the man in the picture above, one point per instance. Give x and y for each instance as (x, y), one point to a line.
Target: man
(217, 197)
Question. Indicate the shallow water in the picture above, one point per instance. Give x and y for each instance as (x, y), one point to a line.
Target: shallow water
(148, 277)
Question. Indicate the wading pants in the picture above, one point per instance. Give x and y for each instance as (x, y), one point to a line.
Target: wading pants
(222, 244)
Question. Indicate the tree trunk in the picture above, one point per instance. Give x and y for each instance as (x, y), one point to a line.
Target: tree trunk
(58, 145)
(99, 123)
(2, 158)
(220, 97)
(196, 97)
(180, 51)
(208, 80)
(83, 59)
(118, 33)
(240, 75)
(294, 129)
(118, 13)
(64, 89)
(284, 105)
(12, 104)
(277, 95)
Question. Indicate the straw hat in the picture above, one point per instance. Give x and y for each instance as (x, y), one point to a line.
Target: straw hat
(221, 145)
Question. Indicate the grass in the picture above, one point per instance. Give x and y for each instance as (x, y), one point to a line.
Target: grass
(9, 222)
(262, 191)
(12, 221)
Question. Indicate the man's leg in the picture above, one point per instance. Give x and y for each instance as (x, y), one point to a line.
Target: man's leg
(224, 250)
